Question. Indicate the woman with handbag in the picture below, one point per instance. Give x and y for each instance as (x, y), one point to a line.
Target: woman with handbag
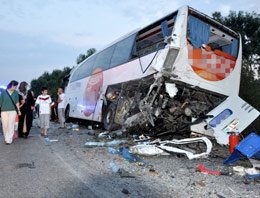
(9, 102)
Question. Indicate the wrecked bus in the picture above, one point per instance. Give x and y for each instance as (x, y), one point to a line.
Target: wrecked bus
(179, 74)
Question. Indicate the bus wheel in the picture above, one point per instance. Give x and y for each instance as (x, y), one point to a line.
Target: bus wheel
(109, 117)
(67, 114)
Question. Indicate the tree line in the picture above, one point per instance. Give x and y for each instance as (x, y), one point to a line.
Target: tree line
(247, 24)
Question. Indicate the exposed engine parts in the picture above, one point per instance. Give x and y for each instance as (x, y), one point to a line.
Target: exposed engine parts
(158, 106)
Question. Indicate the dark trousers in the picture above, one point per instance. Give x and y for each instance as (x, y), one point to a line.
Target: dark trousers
(28, 115)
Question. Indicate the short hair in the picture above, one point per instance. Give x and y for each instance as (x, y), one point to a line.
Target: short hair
(12, 83)
(44, 88)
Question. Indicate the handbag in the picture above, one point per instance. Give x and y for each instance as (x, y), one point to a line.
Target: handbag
(12, 102)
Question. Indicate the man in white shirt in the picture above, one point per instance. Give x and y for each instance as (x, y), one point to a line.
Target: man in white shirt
(61, 108)
(44, 102)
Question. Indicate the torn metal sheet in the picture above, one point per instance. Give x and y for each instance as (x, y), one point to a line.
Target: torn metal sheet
(148, 150)
(190, 155)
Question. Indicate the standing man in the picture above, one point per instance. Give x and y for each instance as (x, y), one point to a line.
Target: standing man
(61, 108)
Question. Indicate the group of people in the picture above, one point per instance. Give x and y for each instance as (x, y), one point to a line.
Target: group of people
(17, 107)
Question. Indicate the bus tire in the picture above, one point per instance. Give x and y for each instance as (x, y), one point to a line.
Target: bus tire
(67, 114)
(109, 116)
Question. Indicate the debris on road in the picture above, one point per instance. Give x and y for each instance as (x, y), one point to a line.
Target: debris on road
(114, 167)
(102, 144)
(148, 150)
(203, 170)
(125, 174)
(154, 172)
(75, 127)
(165, 146)
(124, 153)
(49, 140)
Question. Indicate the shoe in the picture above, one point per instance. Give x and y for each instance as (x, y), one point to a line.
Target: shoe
(45, 136)
(42, 134)
(8, 143)
(61, 128)
(25, 137)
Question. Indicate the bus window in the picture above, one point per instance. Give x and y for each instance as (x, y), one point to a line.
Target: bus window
(152, 38)
(201, 34)
(212, 52)
(122, 51)
(75, 75)
(104, 58)
(87, 68)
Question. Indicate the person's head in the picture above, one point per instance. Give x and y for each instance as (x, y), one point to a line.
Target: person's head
(60, 90)
(12, 85)
(44, 91)
(23, 87)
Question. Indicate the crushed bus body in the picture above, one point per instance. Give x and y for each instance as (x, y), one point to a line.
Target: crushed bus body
(176, 75)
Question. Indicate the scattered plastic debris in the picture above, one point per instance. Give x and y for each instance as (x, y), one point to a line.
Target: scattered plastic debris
(124, 153)
(152, 171)
(114, 167)
(75, 127)
(112, 150)
(104, 135)
(253, 176)
(101, 144)
(203, 170)
(49, 140)
(239, 170)
(148, 150)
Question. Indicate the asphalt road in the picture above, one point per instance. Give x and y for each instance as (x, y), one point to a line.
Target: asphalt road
(50, 176)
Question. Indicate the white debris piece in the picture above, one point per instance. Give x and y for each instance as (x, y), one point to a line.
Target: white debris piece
(189, 154)
(148, 150)
(171, 89)
(252, 171)
(239, 170)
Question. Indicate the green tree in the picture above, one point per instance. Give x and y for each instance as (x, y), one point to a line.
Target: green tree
(82, 57)
(248, 25)
(51, 80)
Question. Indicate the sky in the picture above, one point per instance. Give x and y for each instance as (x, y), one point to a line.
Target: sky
(43, 35)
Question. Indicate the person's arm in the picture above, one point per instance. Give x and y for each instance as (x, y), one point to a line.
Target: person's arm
(50, 105)
(37, 101)
(18, 108)
(31, 100)
(17, 104)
